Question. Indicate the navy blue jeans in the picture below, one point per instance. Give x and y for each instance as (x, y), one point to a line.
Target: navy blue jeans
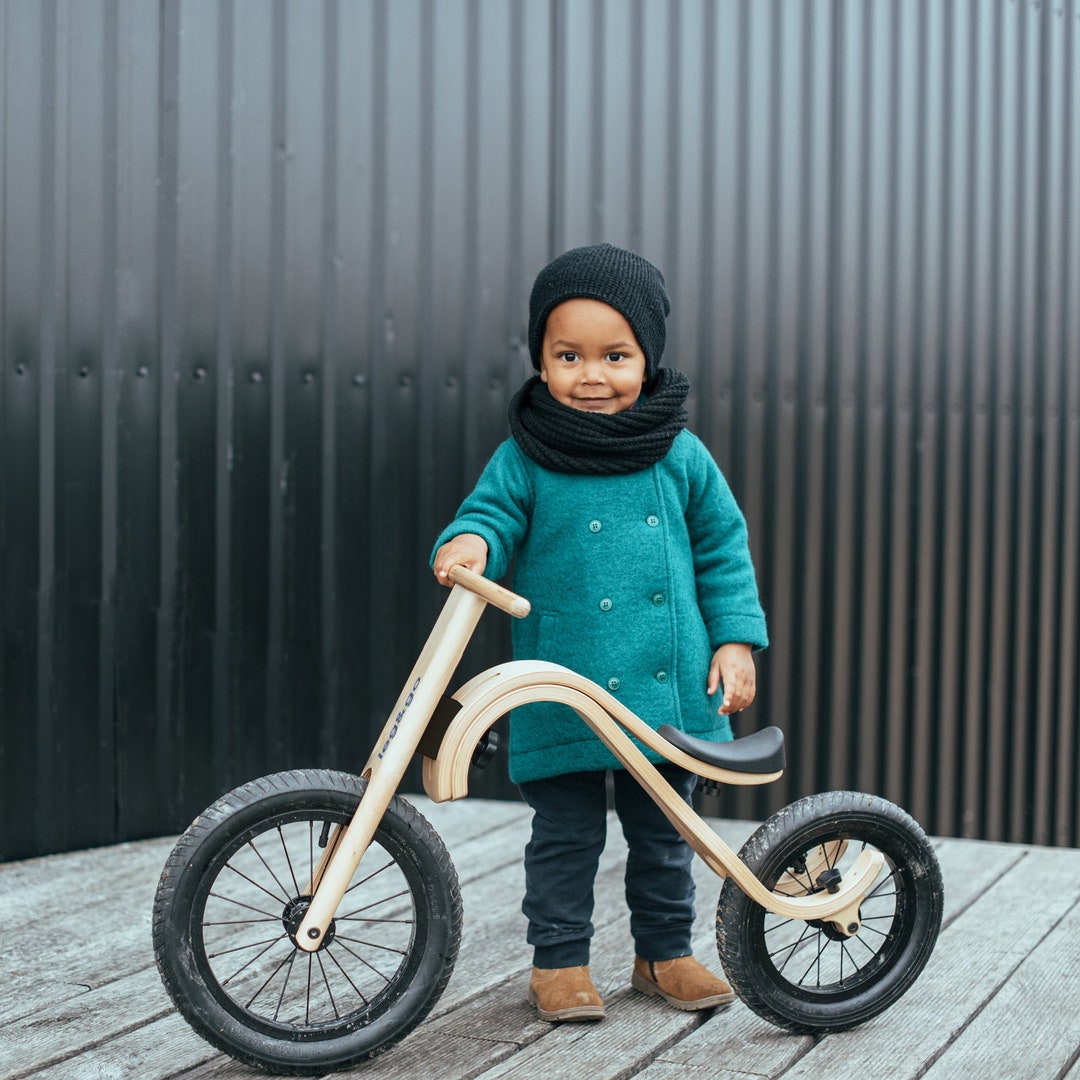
(568, 833)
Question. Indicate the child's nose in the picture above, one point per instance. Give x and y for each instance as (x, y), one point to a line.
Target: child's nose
(592, 371)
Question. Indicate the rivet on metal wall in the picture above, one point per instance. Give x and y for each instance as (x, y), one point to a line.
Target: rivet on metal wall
(255, 376)
(359, 379)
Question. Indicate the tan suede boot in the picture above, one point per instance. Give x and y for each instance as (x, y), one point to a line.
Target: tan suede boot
(565, 994)
(682, 983)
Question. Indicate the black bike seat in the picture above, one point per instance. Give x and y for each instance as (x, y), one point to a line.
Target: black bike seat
(760, 752)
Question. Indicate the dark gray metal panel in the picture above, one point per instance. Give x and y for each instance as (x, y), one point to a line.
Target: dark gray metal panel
(263, 283)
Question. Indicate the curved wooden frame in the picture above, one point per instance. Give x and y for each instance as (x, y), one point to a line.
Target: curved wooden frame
(494, 692)
(487, 697)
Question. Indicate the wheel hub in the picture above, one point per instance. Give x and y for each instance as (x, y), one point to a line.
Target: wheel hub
(293, 916)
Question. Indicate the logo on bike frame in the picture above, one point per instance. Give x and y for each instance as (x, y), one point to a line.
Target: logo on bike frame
(397, 719)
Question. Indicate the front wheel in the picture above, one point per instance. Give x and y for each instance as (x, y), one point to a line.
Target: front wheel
(232, 896)
(809, 976)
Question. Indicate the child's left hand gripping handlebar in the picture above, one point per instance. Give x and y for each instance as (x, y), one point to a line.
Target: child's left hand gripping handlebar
(487, 590)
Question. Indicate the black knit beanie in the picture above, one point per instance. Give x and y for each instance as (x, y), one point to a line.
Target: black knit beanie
(619, 278)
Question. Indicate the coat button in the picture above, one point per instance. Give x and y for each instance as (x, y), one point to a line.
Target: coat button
(652, 521)
(661, 676)
(605, 604)
(658, 599)
(613, 684)
(595, 526)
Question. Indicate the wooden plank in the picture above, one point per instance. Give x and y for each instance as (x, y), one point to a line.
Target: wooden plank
(975, 955)
(493, 1027)
(148, 1052)
(83, 934)
(627, 1040)
(36, 890)
(1048, 1039)
(61, 1031)
(970, 867)
(732, 1045)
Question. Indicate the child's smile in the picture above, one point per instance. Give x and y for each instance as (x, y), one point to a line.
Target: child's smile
(591, 359)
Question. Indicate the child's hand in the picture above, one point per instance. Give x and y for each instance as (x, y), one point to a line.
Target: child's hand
(732, 668)
(466, 549)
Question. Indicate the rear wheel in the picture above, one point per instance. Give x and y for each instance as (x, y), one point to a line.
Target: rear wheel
(810, 976)
(234, 892)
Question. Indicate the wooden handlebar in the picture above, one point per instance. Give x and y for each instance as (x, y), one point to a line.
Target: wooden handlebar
(487, 590)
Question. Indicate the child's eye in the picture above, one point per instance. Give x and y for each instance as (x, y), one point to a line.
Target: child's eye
(569, 357)
(615, 357)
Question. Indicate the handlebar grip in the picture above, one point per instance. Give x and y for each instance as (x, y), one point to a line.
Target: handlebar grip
(487, 590)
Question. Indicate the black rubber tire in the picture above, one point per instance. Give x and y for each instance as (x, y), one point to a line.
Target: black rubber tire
(807, 977)
(232, 891)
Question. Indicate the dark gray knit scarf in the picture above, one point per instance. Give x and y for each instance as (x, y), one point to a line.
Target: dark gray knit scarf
(572, 441)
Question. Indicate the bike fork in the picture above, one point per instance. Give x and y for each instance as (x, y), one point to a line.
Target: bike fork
(392, 753)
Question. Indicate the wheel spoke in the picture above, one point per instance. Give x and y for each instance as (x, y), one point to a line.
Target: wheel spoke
(239, 903)
(258, 854)
(281, 899)
(268, 942)
(815, 962)
(284, 987)
(376, 903)
(807, 933)
(367, 963)
(372, 945)
(326, 983)
(356, 989)
(287, 962)
(365, 880)
(376, 919)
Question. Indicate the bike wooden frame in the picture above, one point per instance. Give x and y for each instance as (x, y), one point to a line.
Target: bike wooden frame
(481, 702)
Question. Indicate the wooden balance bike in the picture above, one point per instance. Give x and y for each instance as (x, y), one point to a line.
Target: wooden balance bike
(311, 919)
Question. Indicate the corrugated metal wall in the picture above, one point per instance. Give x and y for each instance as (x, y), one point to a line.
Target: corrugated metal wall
(262, 304)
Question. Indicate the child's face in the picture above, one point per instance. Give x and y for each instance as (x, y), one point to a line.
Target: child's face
(591, 360)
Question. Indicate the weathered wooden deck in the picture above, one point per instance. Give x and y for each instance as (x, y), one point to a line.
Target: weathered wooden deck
(80, 995)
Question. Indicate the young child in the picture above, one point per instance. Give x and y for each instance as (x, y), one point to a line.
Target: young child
(634, 554)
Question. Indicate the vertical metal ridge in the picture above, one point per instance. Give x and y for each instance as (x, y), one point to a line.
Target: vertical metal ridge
(515, 262)
(329, 645)
(49, 288)
(557, 133)
(705, 270)
(597, 75)
(476, 377)
(168, 366)
(1019, 541)
(1067, 801)
(110, 410)
(967, 800)
(380, 386)
(278, 465)
(223, 727)
(636, 210)
(996, 791)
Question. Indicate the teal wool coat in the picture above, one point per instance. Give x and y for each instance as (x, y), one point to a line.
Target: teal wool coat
(635, 580)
